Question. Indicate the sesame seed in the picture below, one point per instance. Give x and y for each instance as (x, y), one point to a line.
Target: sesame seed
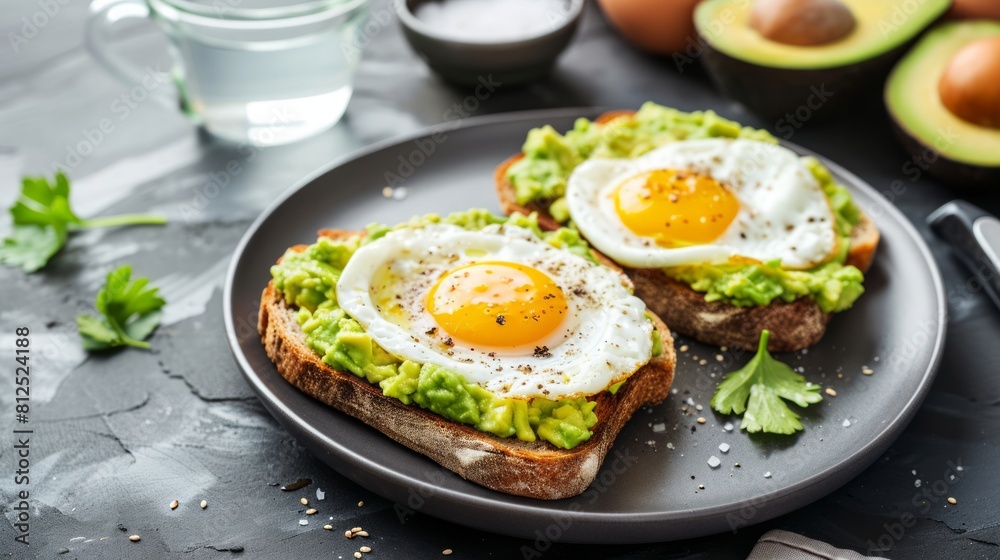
(684, 348)
(831, 392)
(356, 530)
(134, 538)
(204, 504)
(304, 501)
(348, 534)
(701, 420)
(328, 527)
(701, 487)
(867, 371)
(703, 362)
(698, 407)
(174, 504)
(767, 474)
(357, 555)
(311, 511)
(360, 504)
(365, 549)
(719, 357)
(362, 533)
(446, 551)
(952, 501)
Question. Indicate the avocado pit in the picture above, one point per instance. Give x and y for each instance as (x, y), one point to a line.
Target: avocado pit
(970, 84)
(804, 23)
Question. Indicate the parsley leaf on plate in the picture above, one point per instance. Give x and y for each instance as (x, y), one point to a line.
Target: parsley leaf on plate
(130, 310)
(758, 391)
(43, 219)
(30, 246)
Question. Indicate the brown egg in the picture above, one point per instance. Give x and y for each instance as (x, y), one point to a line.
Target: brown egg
(975, 9)
(658, 26)
(970, 85)
(802, 22)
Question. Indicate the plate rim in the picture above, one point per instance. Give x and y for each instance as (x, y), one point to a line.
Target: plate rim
(865, 454)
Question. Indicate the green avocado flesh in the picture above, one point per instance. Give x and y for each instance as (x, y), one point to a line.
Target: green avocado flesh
(308, 280)
(549, 158)
(880, 27)
(911, 94)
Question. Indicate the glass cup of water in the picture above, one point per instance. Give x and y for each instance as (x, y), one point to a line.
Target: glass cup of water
(264, 72)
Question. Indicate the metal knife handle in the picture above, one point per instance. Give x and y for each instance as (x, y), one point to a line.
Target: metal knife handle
(974, 234)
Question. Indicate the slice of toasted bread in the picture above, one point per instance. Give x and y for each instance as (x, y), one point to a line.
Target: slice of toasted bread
(533, 469)
(793, 326)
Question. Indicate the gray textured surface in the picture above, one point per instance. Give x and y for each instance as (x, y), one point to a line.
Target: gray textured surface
(118, 437)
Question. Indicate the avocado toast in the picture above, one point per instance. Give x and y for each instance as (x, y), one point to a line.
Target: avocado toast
(551, 456)
(724, 305)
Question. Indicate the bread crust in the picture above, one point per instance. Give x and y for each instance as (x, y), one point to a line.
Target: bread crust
(533, 469)
(795, 325)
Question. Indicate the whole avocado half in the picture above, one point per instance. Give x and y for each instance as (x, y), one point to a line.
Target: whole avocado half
(779, 80)
(957, 152)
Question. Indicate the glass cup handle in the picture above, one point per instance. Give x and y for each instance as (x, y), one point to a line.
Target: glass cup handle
(99, 35)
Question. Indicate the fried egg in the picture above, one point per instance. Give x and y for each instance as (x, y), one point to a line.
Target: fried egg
(508, 311)
(704, 201)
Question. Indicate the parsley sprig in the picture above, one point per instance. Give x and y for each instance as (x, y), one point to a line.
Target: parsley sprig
(43, 220)
(130, 310)
(757, 391)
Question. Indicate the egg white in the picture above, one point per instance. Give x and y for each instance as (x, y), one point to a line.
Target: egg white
(603, 340)
(784, 214)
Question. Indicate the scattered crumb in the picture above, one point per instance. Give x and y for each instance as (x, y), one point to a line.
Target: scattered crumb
(670, 445)
(701, 487)
(320, 495)
(847, 423)
(917, 483)
(658, 428)
(714, 462)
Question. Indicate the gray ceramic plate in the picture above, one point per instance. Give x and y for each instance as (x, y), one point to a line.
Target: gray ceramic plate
(648, 489)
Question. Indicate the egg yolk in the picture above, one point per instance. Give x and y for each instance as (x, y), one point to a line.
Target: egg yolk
(495, 304)
(675, 208)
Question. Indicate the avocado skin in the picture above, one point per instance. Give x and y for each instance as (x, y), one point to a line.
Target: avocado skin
(956, 174)
(779, 92)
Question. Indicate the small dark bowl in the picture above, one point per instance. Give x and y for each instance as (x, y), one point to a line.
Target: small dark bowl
(470, 62)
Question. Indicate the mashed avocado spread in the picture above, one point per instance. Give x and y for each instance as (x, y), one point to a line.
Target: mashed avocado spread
(549, 158)
(308, 280)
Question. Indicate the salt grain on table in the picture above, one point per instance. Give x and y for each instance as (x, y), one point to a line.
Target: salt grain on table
(714, 461)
